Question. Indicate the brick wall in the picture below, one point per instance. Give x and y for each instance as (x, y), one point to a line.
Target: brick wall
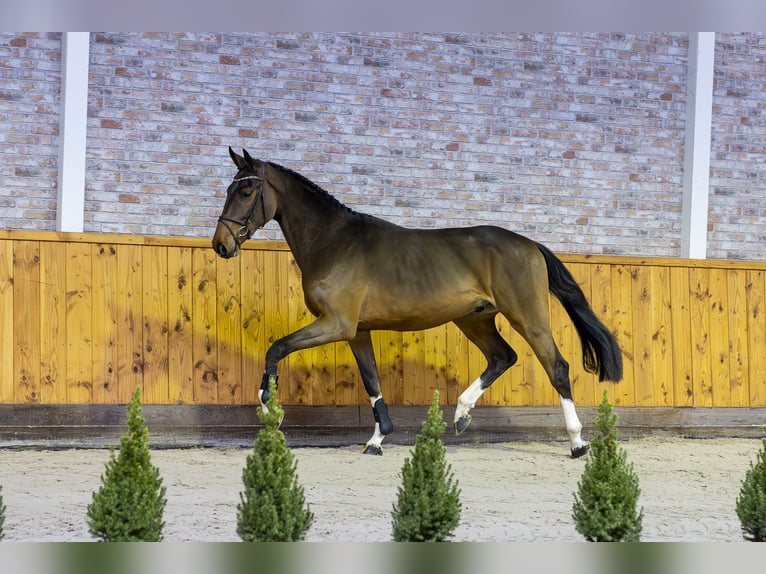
(737, 219)
(30, 82)
(573, 139)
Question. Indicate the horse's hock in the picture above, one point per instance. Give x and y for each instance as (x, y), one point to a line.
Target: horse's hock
(88, 317)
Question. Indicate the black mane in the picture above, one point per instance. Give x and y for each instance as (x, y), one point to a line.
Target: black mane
(310, 185)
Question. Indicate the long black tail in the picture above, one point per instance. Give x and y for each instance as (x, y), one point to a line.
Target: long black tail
(600, 351)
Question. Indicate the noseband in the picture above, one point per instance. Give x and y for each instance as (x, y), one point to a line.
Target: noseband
(243, 233)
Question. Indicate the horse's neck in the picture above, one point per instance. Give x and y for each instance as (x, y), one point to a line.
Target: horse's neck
(309, 224)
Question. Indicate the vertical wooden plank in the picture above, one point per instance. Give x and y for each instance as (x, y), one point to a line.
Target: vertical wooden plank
(414, 355)
(529, 382)
(601, 303)
(738, 347)
(681, 336)
(8, 340)
(653, 361)
(516, 385)
(275, 285)
(322, 361)
(26, 322)
(53, 326)
(349, 389)
(390, 363)
(229, 331)
(129, 327)
(204, 321)
(79, 324)
(622, 322)
(435, 341)
(756, 336)
(106, 313)
(699, 300)
(582, 381)
(719, 338)
(253, 328)
(661, 355)
(643, 331)
(181, 334)
(299, 381)
(155, 321)
(457, 364)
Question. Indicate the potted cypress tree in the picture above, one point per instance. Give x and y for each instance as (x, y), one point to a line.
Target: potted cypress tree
(428, 501)
(272, 507)
(128, 506)
(607, 494)
(751, 502)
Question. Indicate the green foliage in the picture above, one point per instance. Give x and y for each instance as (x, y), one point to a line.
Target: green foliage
(2, 514)
(272, 508)
(129, 505)
(607, 494)
(428, 502)
(751, 502)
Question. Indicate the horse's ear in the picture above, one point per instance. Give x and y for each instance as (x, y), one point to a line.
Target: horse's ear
(250, 161)
(237, 159)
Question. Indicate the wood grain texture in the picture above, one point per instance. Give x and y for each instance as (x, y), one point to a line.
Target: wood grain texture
(87, 318)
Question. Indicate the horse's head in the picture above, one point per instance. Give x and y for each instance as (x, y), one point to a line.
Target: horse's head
(250, 204)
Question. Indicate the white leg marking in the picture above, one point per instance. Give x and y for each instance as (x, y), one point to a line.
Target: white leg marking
(376, 439)
(468, 398)
(574, 427)
(260, 400)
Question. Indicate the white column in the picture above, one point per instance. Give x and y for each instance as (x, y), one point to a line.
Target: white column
(75, 58)
(699, 117)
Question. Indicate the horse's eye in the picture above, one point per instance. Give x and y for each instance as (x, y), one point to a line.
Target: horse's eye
(247, 192)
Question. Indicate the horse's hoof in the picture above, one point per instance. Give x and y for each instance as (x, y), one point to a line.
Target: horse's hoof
(372, 449)
(579, 451)
(462, 423)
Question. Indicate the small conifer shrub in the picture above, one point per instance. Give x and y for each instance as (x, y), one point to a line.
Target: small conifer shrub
(129, 504)
(428, 501)
(751, 502)
(607, 494)
(2, 514)
(272, 507)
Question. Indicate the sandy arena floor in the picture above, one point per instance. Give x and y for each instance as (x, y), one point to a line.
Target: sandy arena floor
(509, 491)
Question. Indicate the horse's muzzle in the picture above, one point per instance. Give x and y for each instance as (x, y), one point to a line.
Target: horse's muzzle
(223, 251)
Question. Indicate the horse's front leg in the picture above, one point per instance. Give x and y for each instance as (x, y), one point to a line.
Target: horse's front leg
(324, 330)
(361, 347)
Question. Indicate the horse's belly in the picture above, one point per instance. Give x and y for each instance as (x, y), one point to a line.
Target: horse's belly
(398, 317)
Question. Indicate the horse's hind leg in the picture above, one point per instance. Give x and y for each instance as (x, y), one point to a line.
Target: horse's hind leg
(538, 335)
(481, 330)
(361, 346)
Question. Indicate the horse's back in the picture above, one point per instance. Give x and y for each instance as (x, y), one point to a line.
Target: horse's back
(414, 278)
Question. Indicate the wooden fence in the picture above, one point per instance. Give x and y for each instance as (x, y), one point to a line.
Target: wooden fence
(86, 318)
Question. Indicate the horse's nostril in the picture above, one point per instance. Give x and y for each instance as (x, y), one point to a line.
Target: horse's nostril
(221, 250)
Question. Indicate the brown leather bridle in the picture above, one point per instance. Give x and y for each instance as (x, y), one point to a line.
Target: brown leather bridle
(244, 233)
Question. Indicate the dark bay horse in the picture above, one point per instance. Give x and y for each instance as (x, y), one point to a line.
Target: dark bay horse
(361, 273)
